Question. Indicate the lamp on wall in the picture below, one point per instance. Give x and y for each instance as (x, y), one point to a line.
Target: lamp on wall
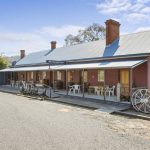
(93, 76)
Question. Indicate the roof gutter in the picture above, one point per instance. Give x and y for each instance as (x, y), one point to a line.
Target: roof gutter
(111, 57)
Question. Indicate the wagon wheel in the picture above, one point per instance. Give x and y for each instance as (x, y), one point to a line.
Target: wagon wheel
(141, 100)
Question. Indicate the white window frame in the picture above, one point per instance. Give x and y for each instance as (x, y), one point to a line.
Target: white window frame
(101, 75)
(59, 75)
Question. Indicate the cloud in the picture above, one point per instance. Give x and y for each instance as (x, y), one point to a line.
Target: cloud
(143, 1)
(18, 37)
(60, 31)
(113, 6)
(57, 32)
(137, 17)
(12, 42)
(127, 9)
(145, 10)
(136, 7)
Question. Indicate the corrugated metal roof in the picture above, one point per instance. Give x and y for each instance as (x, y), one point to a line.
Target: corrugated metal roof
(136, 43)
(80, 51)
(34, 58)
(99, 65)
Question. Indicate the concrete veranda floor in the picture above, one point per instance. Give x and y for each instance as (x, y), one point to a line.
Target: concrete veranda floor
(90, 102)
(10, 89)
(28, 124)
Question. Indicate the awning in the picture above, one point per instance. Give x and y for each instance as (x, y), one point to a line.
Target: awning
(103, 65)
(98, 65)
(21, 69)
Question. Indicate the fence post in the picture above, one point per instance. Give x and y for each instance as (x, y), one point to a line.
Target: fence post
(131, 81)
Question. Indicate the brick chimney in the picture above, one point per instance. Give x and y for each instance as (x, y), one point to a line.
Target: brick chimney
(53, 45)
(112, 31)
(22, 54)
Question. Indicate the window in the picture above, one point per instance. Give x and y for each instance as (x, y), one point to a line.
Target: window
(85, 77)
(32, 75)
(44, 75)
(22, 77)
(58, 75)
(70, 76)
(101, 76)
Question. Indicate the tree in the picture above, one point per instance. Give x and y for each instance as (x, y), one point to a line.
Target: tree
(3, 62)
(72, 40)
(92, 33)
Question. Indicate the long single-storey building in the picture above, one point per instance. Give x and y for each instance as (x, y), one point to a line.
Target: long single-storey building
(117, 64)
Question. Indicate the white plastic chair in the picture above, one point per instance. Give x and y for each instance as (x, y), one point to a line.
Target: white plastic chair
(17, 84)
(70, 89)
(107, 90)
(24, 86)
(110, 91)
(76, 89)
(97, 91)
(12, 83)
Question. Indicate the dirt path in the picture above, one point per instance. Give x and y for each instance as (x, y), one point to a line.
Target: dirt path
(27, 124)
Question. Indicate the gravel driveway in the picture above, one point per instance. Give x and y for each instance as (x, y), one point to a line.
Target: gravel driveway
(27, 124)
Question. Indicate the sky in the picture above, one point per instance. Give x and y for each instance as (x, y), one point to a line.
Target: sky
(32, 24)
